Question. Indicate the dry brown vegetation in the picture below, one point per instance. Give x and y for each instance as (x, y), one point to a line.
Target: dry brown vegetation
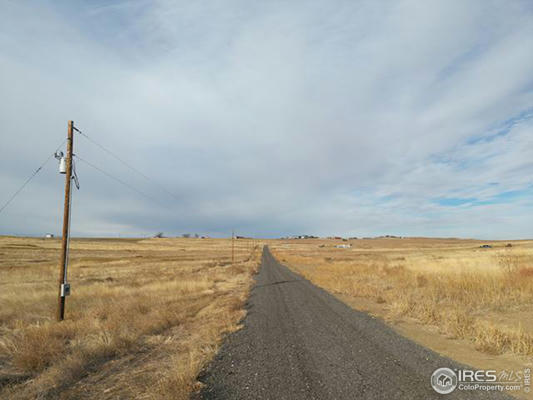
(143, 318)
(468, 292)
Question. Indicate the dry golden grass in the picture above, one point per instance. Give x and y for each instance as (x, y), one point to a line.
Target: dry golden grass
(483, 295)
(143, 318)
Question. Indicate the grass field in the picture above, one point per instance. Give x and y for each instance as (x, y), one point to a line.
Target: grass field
(482, 295)
(145, 315)
(143, 318)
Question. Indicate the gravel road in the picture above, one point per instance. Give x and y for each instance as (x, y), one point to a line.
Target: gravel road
(300, 342)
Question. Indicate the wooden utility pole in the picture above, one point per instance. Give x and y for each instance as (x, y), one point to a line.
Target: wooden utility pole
(63, 289)
(232, 247)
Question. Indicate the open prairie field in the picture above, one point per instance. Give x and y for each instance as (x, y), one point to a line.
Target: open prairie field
(144, 316)
(470, 303)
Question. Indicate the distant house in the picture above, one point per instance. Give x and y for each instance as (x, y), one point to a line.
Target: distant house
(49, 235)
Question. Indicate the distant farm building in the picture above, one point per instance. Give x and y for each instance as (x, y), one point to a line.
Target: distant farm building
(300, 237)
(49, 235)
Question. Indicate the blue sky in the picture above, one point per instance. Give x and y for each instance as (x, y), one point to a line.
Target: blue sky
(502, 197)
(357, 118)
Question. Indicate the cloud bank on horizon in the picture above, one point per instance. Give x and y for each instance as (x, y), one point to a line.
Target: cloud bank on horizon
(325, 117)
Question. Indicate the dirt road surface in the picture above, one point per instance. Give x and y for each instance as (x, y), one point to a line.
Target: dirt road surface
(300, 342)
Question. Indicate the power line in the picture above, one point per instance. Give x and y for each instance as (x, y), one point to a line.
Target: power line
(112, 154)
(116, 179)
(31, 177)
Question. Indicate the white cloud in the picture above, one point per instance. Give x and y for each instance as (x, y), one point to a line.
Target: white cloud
(344, 117)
